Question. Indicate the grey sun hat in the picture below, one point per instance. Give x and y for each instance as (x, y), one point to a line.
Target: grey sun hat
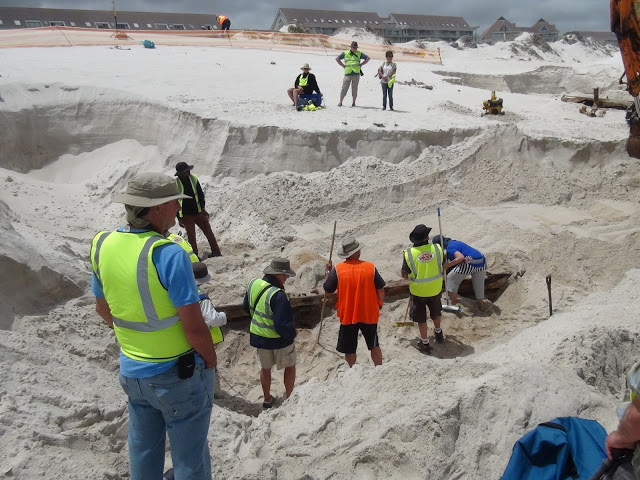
(200, 272)
(306, 65)
(280, 266)
(349, 246)
(148, 190)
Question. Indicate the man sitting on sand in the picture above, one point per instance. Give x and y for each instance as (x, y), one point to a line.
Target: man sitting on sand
(305, 83)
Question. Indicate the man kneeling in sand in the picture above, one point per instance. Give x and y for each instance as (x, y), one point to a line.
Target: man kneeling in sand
(272, 331)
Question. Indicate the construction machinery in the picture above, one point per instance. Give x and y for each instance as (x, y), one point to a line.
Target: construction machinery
(493, 106)
(625, 23)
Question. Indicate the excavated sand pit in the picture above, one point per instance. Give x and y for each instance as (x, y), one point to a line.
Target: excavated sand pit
(551, 194)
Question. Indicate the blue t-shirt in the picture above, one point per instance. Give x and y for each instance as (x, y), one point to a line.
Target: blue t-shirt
(458, 246)
(362, 57)
(176, 275)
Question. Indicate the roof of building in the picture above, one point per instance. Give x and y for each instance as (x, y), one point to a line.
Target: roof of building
(433, 22)
(8, 14)
(503, 25)
(303, 15)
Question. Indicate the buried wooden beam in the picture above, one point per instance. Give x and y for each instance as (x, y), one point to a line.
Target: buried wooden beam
(308, 306)
(597, 102)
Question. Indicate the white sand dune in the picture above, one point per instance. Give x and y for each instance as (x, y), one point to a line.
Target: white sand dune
(542, 190)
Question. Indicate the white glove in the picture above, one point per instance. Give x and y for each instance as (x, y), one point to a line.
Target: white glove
(212, 317)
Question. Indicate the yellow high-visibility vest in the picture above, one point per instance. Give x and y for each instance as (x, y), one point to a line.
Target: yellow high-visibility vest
(194, 181)
(260, 308)
(351, 62)
(425, 262)
(145, 321)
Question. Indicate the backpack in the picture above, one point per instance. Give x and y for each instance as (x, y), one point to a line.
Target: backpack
(564, 448)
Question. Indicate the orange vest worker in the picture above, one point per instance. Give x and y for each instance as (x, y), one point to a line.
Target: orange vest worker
(357, 298)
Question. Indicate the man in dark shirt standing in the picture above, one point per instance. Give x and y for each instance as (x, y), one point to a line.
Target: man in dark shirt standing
(272, 331)
(193, 210)
(305, 84)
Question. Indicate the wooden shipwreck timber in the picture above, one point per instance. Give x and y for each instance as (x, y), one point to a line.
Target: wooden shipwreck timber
(307, 308)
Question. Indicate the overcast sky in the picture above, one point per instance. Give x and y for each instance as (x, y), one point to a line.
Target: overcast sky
(567, 15)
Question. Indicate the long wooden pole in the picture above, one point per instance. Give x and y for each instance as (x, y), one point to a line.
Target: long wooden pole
(324, 298)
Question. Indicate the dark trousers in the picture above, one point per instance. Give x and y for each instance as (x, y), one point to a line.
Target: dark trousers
(202, 221)
(226, 24)
(387, 91)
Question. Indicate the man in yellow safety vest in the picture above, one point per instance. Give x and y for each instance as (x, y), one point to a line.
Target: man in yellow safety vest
(192, 211)
(422, 265)
(352, 71)
(145, 290)
(272, 331)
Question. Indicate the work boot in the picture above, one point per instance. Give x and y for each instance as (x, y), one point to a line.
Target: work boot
(268, 404)
(424, 347)
(439, 336)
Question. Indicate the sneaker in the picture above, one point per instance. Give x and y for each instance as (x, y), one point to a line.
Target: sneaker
(384, 108)
(424, 347)
(268, 404)
(439, 336)
(391, 108)
(339, 104)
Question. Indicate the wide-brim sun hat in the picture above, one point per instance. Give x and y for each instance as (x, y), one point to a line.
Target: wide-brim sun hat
(182, 167)
(306, 65)
(148, 190)
(349, 246)
(354, 44)
(419, 234)
(279, 266)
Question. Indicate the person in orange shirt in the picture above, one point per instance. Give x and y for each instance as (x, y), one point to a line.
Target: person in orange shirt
(360, 296)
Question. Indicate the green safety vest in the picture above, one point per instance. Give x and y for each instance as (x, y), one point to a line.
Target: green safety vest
(425, 262)
(216, 333)
(351, 62)
(260, 294)
(194, 181)
(145, 321)
(303, 81)
(175, 238)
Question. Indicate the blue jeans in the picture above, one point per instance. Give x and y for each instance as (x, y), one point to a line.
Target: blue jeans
(182, 408)
(387, 91)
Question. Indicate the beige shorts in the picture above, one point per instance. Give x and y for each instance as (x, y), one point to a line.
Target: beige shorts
(354, 81)
(282, 357)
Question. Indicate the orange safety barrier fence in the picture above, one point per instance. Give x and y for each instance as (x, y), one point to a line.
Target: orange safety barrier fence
(291, 42)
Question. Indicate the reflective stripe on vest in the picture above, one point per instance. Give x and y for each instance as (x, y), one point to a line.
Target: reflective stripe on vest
(194, 182)
(221, 19)
(425, 278)
(261, 313)
(351, 62)
(303, 81)
(146, 323)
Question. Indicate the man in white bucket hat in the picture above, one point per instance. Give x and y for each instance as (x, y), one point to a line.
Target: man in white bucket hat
(305, 83)
(145, 290)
